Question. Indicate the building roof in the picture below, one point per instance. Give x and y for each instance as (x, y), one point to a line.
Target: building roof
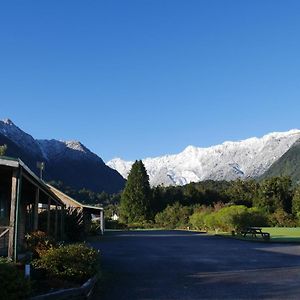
(58, 195)
(16, 163)
(69, 201)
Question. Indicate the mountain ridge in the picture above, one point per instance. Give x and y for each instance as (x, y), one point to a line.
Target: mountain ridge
(287, 164)
(248, 158)
(67, 161)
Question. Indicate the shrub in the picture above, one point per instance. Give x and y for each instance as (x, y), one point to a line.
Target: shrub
(140, 225)
(174, 216)
(95, 228)
(226, 216)
(282, 219)
(13, 285)
(74, 226)
(76, 262)
(114, 224)
(38, 242)
(211, 221)
(197, 220)
(235, 217)
(252, 217)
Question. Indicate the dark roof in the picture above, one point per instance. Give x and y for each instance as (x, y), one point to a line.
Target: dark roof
(18, 163)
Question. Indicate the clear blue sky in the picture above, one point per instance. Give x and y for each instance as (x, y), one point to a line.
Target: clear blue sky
(143, 78)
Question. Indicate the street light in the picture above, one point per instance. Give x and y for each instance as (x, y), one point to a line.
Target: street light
(41, 166)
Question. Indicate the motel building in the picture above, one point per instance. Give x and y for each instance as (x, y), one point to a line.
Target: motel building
(27, 204)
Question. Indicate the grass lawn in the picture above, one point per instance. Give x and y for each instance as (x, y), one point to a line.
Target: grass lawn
(277, 234)
(284, 234)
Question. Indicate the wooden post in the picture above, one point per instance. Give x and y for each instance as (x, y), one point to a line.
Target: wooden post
(62, 226)
(102, 221)
(55, 224)
(12, 218)
(36, 210)
(18, 199)
(48, 215)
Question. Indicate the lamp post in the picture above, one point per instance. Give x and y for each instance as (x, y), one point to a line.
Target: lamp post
(41, 167)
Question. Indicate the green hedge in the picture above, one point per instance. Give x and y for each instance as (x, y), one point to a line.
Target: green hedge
(234, 217)
(76, 262)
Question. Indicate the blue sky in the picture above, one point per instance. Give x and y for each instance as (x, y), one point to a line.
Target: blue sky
(142, 78)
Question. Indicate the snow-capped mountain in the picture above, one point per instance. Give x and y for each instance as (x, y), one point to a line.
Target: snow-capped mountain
(55, 150)
(228, 161)
(67, 161)
(46, 149)
(19, 137)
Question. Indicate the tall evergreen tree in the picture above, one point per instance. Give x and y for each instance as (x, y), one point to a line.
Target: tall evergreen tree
(136, 197)
(275, 193)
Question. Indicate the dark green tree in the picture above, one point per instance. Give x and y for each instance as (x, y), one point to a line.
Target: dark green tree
(157, 200)
(243, 192)
(275, 193)
(296, 201)
(3, 150)
(191, 194)
(136, 197)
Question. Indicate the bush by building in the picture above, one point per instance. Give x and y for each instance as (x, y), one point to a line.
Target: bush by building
(38, 242)
(76, 262)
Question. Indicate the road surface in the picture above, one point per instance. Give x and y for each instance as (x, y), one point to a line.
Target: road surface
(188, 265)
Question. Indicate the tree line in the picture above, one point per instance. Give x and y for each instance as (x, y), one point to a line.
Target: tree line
(173, 206)
(273, 201)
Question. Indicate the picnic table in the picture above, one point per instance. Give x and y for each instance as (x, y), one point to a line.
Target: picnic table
(253, 231)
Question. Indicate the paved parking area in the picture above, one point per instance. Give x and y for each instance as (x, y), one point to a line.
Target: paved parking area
(188, 265)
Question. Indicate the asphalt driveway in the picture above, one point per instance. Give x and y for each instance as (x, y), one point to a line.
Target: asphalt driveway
(187, 265)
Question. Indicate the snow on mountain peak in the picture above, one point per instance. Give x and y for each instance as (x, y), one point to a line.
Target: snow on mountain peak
(55, 149)
(227, 161)
(122, 166)
(45, 149)
(8, 122)
(190, 149)
(75, 145)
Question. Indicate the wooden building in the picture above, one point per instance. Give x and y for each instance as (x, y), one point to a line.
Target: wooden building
(89, 212)
(22, 194)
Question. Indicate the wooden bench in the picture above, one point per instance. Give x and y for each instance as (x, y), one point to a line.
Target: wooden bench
(254, 231)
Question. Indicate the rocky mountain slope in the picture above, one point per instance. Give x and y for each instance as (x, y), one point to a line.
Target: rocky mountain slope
(248, 158)
(66, 161)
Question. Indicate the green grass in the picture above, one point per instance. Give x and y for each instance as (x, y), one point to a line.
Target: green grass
(277, 235)
(284, 234)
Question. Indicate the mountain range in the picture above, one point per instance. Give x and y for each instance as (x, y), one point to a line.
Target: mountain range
(75, 165)
(66, 161)
(250, 158)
